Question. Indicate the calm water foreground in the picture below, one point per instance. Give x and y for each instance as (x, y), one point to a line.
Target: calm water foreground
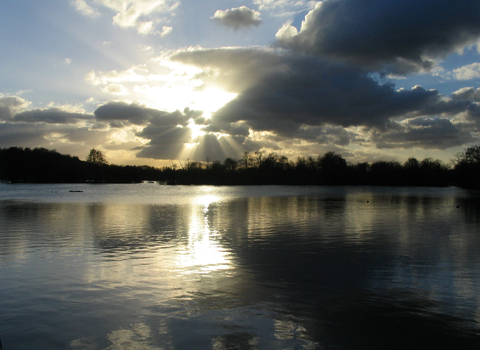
(155, 267)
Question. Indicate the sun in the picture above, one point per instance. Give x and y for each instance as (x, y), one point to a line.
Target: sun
(196, 130)
(175, 86)
(211, 100)
(173, 98)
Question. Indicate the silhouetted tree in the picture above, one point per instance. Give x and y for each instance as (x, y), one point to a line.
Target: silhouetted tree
(433, 173)
(359, 174)
(386, 173)
(96, 157)
(470, 156)
(333, 169)
(467, 168)
(247, 160)
(412, 171)
(42, 165)
(230, 164)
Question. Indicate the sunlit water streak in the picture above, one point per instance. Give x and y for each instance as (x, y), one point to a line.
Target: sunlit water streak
(171, 267)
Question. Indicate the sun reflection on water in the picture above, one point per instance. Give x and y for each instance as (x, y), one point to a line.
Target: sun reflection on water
(203, 252)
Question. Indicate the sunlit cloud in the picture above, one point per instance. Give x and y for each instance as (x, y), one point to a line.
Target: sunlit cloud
(173, 86)
(285, 7)
(467, 72)
(467, 94)
(145, 27)
(137, 73)
(85, 9)
(165, 31)
(115, 89)
(139, 14)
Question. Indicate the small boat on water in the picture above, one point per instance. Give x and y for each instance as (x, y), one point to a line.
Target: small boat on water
(74, 191)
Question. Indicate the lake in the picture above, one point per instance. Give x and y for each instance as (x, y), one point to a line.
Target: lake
(145, 266)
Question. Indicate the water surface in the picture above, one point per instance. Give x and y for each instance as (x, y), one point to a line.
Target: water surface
(144, 266)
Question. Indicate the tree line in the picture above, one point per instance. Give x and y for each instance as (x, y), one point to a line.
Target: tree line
(254, 168)
(40, 165)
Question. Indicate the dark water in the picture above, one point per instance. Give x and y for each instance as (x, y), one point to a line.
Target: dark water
(154, 267)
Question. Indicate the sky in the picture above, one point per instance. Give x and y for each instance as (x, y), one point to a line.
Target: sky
(157, 82)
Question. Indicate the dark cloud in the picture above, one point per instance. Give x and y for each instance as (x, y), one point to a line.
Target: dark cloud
(121, 111)
(167, 133)
(424, 133)
(325, 135)
(137, 114)
(51, 116)
(173, 142)
(233, 129)
(310, 91)
(473, 112)
(324, 81)
(165, 142)
(237, 18)
(310, 98)
(397, 36)
(281, 92)
(64, 138)
(234, 69)
(216, 148)
(22, 135)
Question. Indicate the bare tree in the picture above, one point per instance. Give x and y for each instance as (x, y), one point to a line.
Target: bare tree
(96, 157)
(230, 164)
(470, 156)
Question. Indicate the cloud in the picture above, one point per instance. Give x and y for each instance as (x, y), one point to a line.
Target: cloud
(285, 7)
(233, 69)
(138, 73)
(300, 97)
(139, 14)
(145, 27)
(130, 12)
(236, 18)
(85, 9)
(165, 31)
(467, 72)
(16, 109)
(50, 116)
(65, 138)
(466, 94)
(397, 36)
(324, 135)
(164, 142)
(176, 143)
(139, 115)
(10, 105)
(167, 133)
(115, 89)
(66, 128)
(473, 113)
(424, 133)
(281, 92)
